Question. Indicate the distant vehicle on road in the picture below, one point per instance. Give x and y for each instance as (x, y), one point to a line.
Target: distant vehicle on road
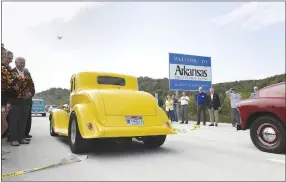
(38, 107)
(106, 105)
(265, 117)
(52, 107)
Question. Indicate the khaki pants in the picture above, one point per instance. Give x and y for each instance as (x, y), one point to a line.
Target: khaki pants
(213, 116)
(185, 116)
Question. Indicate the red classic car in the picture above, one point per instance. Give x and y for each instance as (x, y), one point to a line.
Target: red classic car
(265, 117)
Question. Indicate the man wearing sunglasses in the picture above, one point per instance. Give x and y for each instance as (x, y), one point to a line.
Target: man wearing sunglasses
(6, 59)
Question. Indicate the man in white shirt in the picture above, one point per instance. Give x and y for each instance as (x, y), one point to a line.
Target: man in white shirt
(235, 98)
(184, 100)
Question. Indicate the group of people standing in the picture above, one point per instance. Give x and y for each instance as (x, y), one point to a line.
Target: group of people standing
(204, 102)
(172, 104)
(17, 90)
(210, 102)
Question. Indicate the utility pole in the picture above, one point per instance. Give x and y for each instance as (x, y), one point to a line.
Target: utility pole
(177, 93)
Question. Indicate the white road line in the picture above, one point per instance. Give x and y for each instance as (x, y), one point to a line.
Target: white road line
(219, 129)
(276, 160)
(231, 130)
(210, 128)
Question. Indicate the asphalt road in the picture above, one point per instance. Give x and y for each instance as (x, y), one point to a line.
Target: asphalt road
(208, 153)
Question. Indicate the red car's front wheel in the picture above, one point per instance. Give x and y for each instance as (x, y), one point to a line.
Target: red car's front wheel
(268, 134)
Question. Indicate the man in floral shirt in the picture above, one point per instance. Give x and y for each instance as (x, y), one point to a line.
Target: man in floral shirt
(4, 124)
(20, 108)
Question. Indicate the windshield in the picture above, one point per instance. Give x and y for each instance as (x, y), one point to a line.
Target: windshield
(107, 80)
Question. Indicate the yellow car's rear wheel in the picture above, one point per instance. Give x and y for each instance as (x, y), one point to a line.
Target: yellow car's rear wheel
(76, 142)
(154, 141)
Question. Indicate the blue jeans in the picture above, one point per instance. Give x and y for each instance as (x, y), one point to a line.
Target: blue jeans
(170, 115)
(175, 114)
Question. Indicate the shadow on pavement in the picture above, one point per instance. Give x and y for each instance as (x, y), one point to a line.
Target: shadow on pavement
(113, 148)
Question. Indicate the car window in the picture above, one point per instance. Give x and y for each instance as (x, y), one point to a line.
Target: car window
(273, 91)
(107, 80)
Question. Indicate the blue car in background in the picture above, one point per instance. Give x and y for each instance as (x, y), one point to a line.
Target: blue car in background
(38, 107)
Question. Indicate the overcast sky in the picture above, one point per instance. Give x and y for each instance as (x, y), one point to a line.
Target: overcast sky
(244, 40)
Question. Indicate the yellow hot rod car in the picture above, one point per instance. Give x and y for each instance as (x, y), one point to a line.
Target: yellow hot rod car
(107, 105)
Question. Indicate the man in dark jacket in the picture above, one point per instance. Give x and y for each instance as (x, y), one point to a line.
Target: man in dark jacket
(213, 106)
(30, 102)
(201, 99)
(19, 114)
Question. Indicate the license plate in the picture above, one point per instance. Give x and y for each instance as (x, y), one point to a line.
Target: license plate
(134, 120)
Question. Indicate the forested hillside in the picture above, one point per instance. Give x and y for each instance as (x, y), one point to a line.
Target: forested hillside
(53, 96)
(245, 87)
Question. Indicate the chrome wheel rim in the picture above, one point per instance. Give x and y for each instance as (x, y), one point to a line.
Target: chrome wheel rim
(73, 132)
(268, 134)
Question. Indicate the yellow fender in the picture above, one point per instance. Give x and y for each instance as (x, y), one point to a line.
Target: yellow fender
(60, 119)
(85, 114)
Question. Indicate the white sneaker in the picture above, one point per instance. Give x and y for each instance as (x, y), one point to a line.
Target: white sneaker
(5, 151)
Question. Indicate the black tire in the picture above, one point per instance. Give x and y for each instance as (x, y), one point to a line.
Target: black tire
(44, 114)
(278, 145)
(79, 146)
(154, 141)
(52, 131)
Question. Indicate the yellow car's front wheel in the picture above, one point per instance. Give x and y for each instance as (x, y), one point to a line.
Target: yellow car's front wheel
(76, 142)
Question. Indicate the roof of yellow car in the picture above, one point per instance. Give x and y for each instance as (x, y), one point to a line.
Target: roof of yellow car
(104, 73)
